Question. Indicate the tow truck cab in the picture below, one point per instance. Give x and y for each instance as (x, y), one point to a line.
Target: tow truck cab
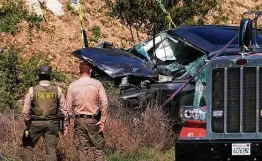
(229, 127)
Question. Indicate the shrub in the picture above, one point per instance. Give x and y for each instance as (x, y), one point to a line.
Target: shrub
(12, 12)
(70, 8)
(33, 21)
(149, 16)
(143, 14)
(17, 75)
(96, 33)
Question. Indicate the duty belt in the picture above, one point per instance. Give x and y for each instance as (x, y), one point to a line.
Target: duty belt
(37, 118)
(86, 116)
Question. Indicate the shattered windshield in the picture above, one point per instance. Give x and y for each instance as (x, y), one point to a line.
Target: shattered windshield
(171, 55)
(175, 58)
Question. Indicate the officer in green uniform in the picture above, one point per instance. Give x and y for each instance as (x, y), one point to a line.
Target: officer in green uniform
(43, 106)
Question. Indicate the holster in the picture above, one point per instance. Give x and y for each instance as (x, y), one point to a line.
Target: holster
(27, 139)
(98, 116)
(61, 124)
(61, 118)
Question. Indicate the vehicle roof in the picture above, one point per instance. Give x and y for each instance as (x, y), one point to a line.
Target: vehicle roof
(210, 37)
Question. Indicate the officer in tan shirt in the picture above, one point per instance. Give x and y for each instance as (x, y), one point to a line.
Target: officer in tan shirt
(83, 98)
(43, 106)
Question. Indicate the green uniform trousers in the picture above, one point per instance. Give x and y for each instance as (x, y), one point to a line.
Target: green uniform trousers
(50, 132)
(87, 134)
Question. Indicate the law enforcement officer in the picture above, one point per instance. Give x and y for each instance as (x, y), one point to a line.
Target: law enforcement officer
(43, 106)
(83, 105)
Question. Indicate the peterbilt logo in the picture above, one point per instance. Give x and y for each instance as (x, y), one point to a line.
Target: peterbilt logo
(218, 113)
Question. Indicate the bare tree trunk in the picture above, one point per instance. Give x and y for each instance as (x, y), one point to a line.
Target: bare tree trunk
(130, 28)
(137, 34)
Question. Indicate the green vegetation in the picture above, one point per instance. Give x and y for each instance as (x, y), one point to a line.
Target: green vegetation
(70, 8)
(17, 75)
(144, 155)
(96, 33)
(12, 12)
(149, 16)
(144, 14)
(33, 21)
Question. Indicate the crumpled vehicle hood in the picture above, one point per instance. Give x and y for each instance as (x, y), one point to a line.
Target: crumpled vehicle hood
(115, 62)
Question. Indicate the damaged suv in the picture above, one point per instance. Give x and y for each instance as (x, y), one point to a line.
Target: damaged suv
(146, 69)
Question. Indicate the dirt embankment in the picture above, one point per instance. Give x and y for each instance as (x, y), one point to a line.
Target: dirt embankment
(229, 12)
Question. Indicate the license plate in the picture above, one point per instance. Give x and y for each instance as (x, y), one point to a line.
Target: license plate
(241, 149)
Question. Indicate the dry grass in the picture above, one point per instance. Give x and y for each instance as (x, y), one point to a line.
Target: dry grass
(127, 132)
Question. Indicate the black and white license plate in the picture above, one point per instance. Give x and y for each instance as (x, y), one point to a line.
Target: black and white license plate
(241, 149)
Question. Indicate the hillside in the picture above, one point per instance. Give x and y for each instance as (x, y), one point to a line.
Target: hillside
(58, 37)
(229, 11)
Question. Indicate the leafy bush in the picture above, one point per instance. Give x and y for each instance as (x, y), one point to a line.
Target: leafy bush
(17, 75)
(34, 20)
(96, 33)
(70, 8)
(149, 16)
(144, 14)
(12, 12)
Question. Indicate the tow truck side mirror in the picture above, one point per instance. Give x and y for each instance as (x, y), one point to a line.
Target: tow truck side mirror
(245, 34)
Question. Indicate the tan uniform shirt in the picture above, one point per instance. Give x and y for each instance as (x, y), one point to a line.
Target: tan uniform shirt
(83, 97)
(29, 97)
